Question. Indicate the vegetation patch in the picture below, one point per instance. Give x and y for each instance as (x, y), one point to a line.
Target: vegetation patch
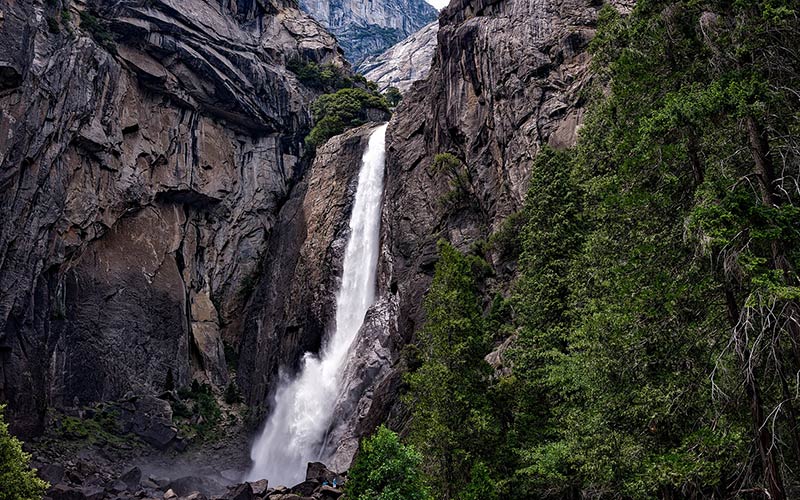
(342, 110)
(196, 411)
(100, 425)
(386, 469)
(99, 30)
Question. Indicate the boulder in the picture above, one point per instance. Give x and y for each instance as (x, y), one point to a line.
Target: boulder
(240, 492)
(65, 492)
(259, 487)
(194, 496)
(186, 485)
(52, 473)
(132, 478)
(118, 487)
(307, 487)
(319, 472)
(149, 418)
(329, 493)
(161, 482)
(150, 484)
(93, 493)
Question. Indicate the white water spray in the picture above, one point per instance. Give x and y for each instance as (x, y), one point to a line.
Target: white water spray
(302, 410)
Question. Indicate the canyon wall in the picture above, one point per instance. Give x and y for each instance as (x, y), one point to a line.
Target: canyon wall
(368, 27)
(147, 147)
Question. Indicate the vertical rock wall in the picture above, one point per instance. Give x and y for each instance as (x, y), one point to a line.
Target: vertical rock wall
(146, 148)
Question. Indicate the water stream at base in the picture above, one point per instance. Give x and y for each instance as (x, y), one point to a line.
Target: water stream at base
(302, 409)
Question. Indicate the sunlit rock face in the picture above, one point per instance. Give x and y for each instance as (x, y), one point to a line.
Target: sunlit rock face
(368, 27)
(405, 63)
(145, 151)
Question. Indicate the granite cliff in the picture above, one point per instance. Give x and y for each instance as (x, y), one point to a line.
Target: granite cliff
(404, 63)
(147, 147)
(367, 28)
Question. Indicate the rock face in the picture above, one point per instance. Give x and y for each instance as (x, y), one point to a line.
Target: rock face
(368, 27)
(404, 63)
(506, 79)
(306, 258)
(146, 148)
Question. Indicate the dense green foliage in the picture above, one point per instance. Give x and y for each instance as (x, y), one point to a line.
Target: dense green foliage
(319, 76)
(393, 96)
(656, 309)
(453, 422)
(385, 469)
(344, 109)
(17, 480)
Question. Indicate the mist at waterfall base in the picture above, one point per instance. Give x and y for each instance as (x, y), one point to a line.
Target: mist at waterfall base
(303, 406)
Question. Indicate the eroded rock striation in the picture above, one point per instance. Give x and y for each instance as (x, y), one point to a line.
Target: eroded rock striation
(146, 148)
(405, 63)
(368, 27)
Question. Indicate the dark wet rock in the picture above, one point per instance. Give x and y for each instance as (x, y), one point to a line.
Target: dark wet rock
(132, 478)
(118, 487)
(317, 471)
(240, 492)
(149, 418)
(259, 487)
(150, 484)
(329, 493)
(94, 493)
(161, 482)
(52, 473)
(306, 488)
(65, 492)
(186, 485)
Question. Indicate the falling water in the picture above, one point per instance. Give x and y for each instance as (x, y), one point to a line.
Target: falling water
(303, 406)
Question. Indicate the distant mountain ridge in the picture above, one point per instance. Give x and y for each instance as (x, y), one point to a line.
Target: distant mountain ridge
(367, 28)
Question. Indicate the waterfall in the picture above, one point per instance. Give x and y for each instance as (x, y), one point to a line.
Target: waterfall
(302, 409)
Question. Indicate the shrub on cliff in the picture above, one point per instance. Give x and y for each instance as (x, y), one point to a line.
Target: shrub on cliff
(319, 76)
(385, 469)
(342, 110)
(17, 480)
